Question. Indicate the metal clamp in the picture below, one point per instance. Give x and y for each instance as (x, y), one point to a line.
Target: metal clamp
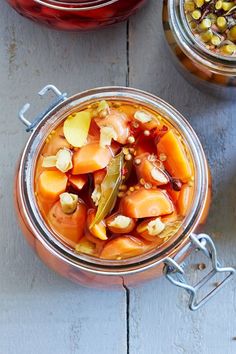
(174, 272)
(59, 98)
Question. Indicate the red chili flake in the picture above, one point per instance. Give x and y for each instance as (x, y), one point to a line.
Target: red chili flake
(124, 171)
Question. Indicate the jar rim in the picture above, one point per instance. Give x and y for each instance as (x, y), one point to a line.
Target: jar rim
(192, 46)
(27, 169)
(67, 5)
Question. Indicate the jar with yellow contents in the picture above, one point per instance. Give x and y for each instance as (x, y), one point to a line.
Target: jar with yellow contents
(202, 36)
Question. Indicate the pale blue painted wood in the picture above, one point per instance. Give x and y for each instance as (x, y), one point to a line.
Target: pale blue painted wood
(160, 320)
(41, 313)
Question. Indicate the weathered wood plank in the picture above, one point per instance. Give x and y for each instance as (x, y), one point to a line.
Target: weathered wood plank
(41, 312)
(159, 320)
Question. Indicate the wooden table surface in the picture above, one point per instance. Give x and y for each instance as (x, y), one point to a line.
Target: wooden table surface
(41, 313)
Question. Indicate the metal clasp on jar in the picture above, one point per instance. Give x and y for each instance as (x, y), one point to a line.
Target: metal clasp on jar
(175, 273)
(60, 97)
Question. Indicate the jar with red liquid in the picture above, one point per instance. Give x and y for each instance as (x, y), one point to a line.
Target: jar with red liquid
(73, 15)
(92, 270)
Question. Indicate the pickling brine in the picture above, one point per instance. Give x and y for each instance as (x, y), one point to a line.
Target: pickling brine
(114, 180)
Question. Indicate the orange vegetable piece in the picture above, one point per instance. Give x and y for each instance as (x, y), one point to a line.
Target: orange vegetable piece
(97, 241)
(99, 176)
(98, 230)
(119, 122)
(145, 203)
(143, 232)
(122, 247)
(185, 199)
(150, 171)
(173, 194)
(170, 218)
(177, 163)
(119, 229)
(78, 182)
(51, 184)
(90, 158)
(70, 227)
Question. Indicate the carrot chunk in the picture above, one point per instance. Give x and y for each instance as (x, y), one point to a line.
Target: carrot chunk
(185, 199)
(70, 227)
(122, 247)
(150, 171)
(51, 184)
(90, 158)
(145, 203)
(78, 182)
(98, 230)
(120, 224)
(99, 176)
(177, 163)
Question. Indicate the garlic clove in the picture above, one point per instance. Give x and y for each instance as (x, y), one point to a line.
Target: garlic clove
(68, 202)
(64, 160)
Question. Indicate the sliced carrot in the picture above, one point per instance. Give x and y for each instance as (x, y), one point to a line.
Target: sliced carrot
(150, 171)
(144, 203)
(119, 224)
(98, 230)
(99, 176)
(78, 182)
(119, 122)
(51, 184)
(90, 158)
(185, 199)
(70, 227)
(177, 162)
(97, 241)
(170, 218)
(86, 246)
(173, 194)
(142, 230)
(122, 247)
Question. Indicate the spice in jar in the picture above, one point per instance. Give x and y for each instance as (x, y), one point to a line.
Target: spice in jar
(107, 199)
(213, 23)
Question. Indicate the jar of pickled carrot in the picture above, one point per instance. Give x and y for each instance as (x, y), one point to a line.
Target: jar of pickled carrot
(76, 15)
(202, 39)
(112, 189)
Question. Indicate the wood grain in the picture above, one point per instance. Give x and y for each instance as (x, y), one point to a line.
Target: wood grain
(159, 319)
(41, 312)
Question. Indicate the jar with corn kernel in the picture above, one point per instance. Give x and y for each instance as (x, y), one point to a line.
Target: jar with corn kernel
(202, 36)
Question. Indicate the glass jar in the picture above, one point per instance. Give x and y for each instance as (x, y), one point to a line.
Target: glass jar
(91, 271)
(76, 14)
(214, 73)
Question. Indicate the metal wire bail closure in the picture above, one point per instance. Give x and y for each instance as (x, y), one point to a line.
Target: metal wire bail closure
(174, 272)
(59, 98)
